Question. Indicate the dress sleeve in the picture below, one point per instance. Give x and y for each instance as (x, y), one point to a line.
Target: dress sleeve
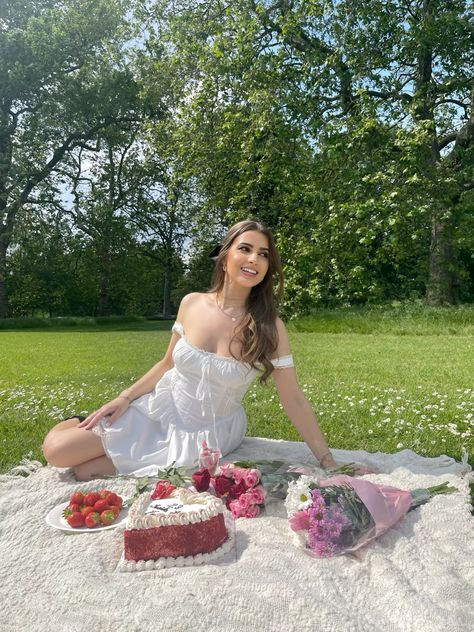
(178, 329)
(283, 362)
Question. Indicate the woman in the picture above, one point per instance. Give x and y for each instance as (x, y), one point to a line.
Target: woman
(220, 342)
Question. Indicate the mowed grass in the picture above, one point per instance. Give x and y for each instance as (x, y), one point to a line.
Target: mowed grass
(377, 392)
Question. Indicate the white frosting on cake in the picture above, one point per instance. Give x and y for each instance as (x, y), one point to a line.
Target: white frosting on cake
(180, 508)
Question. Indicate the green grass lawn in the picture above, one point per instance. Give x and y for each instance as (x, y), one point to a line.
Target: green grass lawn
(379, 391)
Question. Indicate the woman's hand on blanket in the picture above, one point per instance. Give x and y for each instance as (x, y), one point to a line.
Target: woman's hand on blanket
(361, 469)
(358, 468)
(112, 410)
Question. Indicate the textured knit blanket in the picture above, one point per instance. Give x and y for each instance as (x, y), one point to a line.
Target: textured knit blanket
(417, 577)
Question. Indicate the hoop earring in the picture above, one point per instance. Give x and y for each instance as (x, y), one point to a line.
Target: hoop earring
(224, 268)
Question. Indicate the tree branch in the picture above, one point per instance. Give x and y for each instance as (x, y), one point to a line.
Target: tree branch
(399, 96)
(447, 139)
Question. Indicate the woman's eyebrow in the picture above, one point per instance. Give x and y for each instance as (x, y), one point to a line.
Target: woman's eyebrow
(245, 243)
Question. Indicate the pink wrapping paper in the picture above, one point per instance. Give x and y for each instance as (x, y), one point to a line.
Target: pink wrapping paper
(387, 505)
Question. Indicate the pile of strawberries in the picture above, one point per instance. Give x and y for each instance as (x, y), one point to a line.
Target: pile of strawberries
(92, 509)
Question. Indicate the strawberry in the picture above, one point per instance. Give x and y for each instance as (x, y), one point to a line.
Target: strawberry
(86, 510)
(101, 505)
(107, 517)
(67, 512)
(74, 507)
(113, 499)
(75, 520)
(115, 509)
(104, 493)
(77, 498)
(91, 498)
(92, 520)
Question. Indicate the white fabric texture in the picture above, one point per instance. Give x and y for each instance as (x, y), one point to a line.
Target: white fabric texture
(198, 399)
(418, 577)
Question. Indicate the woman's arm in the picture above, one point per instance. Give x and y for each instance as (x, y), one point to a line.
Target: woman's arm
(148, 381)
(116, 407)
(297, 407)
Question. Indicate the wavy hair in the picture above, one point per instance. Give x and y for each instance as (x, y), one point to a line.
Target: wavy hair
(257, 331)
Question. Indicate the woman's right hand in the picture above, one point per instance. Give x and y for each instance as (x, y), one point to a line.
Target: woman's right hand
(112, 410)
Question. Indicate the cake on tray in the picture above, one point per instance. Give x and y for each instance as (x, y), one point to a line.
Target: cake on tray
(184, 529)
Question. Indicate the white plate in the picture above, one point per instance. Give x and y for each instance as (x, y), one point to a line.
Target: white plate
(55, 519)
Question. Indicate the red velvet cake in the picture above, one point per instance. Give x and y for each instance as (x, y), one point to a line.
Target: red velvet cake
(184, 529)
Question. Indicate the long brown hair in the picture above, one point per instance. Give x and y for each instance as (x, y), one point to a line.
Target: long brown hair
(257, 331)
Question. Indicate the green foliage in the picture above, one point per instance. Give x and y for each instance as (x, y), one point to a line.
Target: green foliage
(397, 318)
(63, 81)
(86, 323)
(346, 127)
(313, 117)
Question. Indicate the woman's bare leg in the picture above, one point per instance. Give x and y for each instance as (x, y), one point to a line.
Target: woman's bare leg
(95, 468)
(66, 445)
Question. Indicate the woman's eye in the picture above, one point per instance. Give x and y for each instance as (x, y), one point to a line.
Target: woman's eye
(244, 248)
(264, 254)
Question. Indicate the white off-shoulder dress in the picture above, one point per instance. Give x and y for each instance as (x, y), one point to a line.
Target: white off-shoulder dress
(198, 399)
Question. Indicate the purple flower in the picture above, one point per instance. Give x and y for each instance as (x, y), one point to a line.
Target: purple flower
(317, 497)
(333, 529)
(316, 514)
(322, 548)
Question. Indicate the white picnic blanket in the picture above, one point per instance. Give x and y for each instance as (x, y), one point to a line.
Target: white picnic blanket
(418, 577)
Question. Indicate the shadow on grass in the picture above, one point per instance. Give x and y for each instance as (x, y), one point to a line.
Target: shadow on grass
(109, 323)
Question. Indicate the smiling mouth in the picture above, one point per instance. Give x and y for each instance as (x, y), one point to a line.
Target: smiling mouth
(248, 271)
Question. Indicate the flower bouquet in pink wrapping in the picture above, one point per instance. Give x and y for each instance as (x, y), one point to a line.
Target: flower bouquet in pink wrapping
(341, 514)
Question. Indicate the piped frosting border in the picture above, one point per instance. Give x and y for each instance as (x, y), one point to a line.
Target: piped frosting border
(207, 506)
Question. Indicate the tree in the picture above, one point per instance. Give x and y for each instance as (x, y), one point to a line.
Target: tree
(268, 82)
(102, 185)
(165, 210)
(60, 74)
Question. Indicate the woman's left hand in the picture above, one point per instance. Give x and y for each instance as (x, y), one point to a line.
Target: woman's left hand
(357, 469)
(361, 469)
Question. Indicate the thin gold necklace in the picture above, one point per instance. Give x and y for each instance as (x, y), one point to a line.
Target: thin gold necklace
(233, 318)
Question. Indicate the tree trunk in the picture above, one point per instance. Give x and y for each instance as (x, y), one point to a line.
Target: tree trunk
(4, 310)
(167, 293)
(442, 286)
(104, 284)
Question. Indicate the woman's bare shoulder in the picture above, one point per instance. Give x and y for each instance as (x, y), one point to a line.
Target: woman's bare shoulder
(191, 301)
(191, 298)
(280, 325)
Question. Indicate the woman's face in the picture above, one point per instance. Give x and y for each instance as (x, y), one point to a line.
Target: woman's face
(247, 261)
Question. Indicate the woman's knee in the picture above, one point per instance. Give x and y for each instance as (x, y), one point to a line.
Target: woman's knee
(53, 451)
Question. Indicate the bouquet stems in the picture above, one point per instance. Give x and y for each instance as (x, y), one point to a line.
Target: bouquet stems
(443, 488)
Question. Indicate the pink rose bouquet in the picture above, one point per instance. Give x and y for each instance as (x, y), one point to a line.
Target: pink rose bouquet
(341, 514)
(239, 487)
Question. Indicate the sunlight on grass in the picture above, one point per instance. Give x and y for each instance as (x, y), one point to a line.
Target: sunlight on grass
(371, 392)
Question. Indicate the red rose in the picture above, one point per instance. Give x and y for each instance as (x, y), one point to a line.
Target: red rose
(237, 490)
(222, 485)
(201, 480)
(163, 489)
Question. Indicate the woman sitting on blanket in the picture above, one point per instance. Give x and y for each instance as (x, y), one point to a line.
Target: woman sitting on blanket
(220, 342)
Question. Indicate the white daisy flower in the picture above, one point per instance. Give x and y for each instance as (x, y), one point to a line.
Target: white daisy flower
(299, 495)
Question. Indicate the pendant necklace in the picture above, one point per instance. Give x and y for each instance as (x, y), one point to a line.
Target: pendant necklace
(233, 318)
